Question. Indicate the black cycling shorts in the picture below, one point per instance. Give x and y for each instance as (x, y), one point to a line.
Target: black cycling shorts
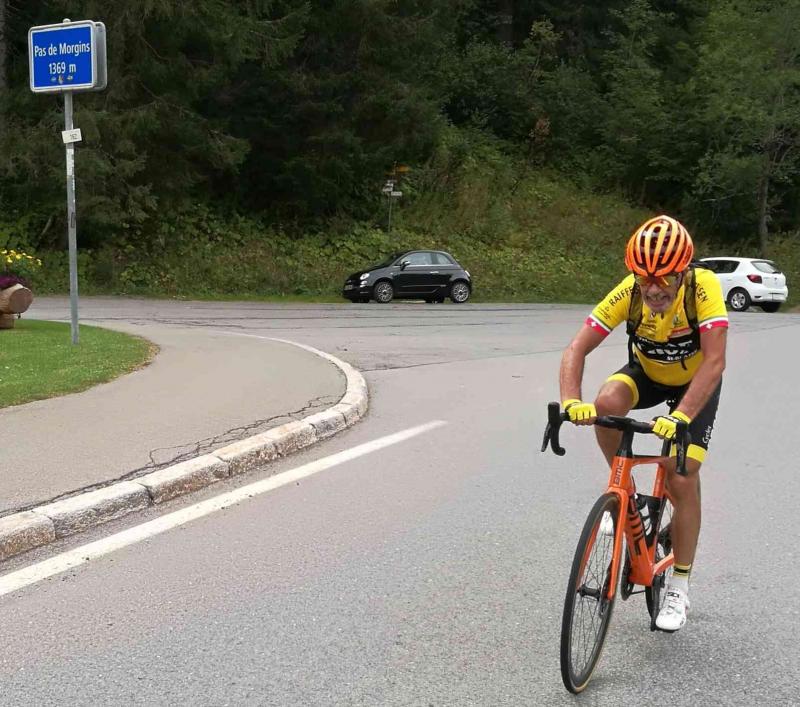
(647, 393)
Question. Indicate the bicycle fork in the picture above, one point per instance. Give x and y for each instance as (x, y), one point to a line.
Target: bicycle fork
(642, 556)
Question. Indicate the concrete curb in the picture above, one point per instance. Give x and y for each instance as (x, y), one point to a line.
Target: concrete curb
(44, 524)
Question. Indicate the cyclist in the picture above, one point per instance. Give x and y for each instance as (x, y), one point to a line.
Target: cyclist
(677, 355)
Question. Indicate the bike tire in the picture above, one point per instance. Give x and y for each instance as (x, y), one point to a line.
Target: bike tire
(655, 594)
(587, 610)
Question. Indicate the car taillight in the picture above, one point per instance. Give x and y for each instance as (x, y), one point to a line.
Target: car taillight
(754, 278)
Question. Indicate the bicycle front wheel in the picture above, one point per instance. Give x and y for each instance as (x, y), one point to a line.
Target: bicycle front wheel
(587, 608)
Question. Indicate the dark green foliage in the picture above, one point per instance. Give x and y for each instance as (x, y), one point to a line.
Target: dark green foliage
(355, 97)
(748, 93)
(290, 114)
(156, 137)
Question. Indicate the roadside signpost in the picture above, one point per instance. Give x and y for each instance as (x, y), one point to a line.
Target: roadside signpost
(67, 58)
(391, 190)
(391, 195)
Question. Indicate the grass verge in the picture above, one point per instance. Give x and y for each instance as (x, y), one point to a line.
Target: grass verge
(38, 360)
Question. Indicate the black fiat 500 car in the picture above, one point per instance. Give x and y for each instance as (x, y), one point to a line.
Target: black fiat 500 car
(431, 275)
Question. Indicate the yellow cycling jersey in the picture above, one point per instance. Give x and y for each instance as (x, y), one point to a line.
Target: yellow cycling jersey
(664, 343)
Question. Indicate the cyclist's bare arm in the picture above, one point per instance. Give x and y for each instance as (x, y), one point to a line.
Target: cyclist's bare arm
(572, 362)
(709, 373)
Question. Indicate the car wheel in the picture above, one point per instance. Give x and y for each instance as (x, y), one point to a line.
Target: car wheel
(770, 306)
(383, 292)
(739, 300)
(459, 292)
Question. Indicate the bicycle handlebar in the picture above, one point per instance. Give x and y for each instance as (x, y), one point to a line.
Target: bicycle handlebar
(555, 418)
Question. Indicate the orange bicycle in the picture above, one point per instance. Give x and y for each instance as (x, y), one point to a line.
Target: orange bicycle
(621, 524)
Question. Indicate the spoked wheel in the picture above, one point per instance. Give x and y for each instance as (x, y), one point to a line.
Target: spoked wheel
(459, 292)
(587, 608)
(656, 594)
(383, 292)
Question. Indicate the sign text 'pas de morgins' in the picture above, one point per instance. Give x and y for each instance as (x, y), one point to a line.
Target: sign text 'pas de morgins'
(70, 56)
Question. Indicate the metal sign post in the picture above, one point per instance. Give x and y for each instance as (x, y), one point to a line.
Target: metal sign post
(65, 58)
(391, 192)
(72, 237)
(391, 195)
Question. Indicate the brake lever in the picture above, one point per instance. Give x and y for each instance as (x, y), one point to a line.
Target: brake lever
(554, 420)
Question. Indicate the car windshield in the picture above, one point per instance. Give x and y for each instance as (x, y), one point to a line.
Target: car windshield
(388, 260)
(765, 266)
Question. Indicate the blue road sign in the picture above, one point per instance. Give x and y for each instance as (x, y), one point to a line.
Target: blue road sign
(63, 57)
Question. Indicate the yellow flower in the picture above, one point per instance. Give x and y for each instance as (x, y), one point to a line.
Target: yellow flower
(9, 259)
(38, 262)
(19, 257)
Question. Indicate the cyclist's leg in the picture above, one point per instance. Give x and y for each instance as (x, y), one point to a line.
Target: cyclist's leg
(626, 389)
(685, 490)
(686, 513)
(686, 516)
(614, 398)
(684, 532)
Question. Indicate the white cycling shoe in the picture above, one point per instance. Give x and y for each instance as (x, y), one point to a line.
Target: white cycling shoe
(672, 616)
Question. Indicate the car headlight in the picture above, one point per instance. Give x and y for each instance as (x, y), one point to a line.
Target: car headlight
(364, 277)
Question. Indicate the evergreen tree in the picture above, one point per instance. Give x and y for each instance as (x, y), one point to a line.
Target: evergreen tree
(747, 84)
(357, 96)
(2, 46)
(155, 139)
(643, 117)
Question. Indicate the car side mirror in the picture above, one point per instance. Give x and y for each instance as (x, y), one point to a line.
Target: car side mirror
(403, 265)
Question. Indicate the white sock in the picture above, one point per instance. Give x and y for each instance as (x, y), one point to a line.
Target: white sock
(681, 583)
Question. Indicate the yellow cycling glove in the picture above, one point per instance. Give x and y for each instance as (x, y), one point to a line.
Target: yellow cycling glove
(666, 425)
(578, 410)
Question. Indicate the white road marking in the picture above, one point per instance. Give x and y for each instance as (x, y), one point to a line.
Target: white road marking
(19, 579)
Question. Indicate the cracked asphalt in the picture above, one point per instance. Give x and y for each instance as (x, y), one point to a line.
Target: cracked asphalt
(204, 390)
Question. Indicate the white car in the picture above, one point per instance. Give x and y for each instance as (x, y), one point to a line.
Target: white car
(747, 281)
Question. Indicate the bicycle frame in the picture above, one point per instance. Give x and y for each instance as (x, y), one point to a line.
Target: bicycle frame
(642, 558)
(620, 483)
(594, 576)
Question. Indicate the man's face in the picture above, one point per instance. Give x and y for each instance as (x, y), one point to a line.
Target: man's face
(659, 293)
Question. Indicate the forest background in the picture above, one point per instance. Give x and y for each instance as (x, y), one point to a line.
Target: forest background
(241, 146)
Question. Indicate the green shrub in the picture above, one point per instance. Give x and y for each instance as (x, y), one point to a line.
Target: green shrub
(524, 234)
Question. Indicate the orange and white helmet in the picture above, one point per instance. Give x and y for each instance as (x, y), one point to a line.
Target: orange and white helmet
(660, 246)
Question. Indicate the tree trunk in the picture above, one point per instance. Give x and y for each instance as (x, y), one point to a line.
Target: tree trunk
(505, 21)
(3, 46)
(763, 197)
(15, 299)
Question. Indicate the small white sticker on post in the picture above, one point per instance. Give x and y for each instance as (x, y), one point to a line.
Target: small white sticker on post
(71, 136)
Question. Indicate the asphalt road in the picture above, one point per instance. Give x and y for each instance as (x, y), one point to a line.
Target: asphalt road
(431, 572)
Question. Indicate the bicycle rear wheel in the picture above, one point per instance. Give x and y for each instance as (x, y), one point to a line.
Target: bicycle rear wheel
(587, 609)
(655, 594)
